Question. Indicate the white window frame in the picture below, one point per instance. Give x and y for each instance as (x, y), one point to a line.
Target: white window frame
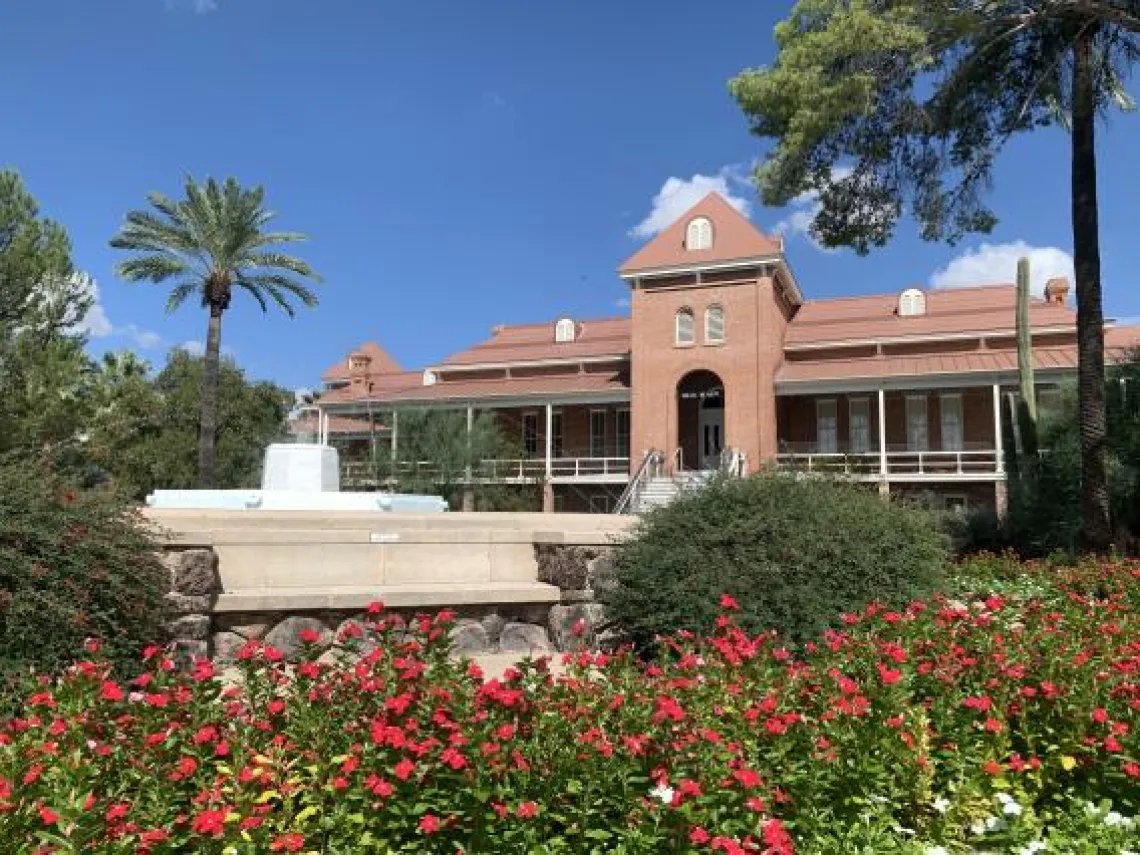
(558, 437)
(955, 399)
(916, 441)
(912, 303)
(699, 234)
(859, 444)
(564, 331)
(684, 313)
(596, 450)
(949, 499)
(623, 425)
(715, 310)
(530, 434)
(826, 436)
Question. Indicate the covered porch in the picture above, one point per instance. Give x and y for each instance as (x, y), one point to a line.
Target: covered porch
(900, 435)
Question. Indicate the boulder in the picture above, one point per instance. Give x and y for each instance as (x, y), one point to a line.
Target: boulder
(600, 573)
(286, 636)
(493, 625)
(196, 573)
(186, 604)
(469, 638)
(189, 628)
(226, 645)
(564, 566)
(576, 627)
(524, 638)
(255, 631)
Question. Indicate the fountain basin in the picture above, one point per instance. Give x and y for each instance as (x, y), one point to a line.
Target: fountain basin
(294, 500)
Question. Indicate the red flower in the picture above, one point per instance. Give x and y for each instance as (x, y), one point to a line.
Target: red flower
(728, 603)
(527, 810)
(49, 816)
(111, 692)
(211, 822)
(1100, 715)
(889, 676)
(404, 769)
(117, 811)
(698, 836)
(1132, 770)
(309, 636)
(288, 843)
(429, 824)
(777, 837)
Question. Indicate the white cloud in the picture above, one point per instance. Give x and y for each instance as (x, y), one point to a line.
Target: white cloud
(97, 324)
(677, 195)
(802, 213)
(992, 263)
(197, 348)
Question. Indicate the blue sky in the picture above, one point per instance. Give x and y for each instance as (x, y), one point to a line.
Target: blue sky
(457, 164)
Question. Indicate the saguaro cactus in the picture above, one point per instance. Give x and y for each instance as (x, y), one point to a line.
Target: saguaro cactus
(1027, 408)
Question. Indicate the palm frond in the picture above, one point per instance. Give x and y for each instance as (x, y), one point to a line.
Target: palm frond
(180, 292)
(154, 267)
(216, 230)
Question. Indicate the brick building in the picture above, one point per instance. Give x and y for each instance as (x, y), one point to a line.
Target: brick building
(723, 362)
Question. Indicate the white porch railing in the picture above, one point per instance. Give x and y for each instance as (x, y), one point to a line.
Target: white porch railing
(932, 465)
(516, 471)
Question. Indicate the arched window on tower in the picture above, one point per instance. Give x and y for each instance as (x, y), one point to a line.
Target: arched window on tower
(699, 234)
(714, 325)
(684, 326)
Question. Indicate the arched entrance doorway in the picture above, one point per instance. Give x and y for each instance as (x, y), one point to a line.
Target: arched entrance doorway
(700, 419)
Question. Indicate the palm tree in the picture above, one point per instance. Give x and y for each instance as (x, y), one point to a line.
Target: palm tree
(213, 240)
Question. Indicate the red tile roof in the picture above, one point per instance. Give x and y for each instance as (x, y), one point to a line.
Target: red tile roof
(381, 363)
(949, 311)
(336, 424)
(734, 238)
(535, 343)
(1118, 343)
(569, 384)
(376, 387)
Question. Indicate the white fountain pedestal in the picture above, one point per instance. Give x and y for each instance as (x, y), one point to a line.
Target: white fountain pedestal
(301, 467)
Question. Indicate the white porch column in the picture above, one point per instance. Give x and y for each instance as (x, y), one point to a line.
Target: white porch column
(470, 424)
(549, 439)
(998, 450)
(395, 431)
(883, 433)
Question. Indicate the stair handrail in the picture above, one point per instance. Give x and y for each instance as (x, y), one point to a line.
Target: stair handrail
(734, 463)
(650, 468)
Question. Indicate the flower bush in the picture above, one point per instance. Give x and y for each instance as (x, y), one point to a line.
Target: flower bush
(990, 721)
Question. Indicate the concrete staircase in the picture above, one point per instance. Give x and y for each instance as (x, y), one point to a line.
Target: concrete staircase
(663, 489)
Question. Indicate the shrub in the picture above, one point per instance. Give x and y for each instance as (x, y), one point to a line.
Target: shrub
(995, 724)
(73, 565)
(794, 553)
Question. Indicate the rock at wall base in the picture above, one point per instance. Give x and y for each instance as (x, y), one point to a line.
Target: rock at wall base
(226, 645)
(575, 627)
(523, 638)
(469, 638)
(195, 572)
(189, 628)
(286, 636)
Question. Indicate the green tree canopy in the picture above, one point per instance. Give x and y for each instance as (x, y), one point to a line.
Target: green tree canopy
(144, 432)
(217, 238)
(437, 455)
(886, 107)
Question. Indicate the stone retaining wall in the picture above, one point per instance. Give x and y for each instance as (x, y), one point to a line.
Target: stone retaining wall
(577, 622)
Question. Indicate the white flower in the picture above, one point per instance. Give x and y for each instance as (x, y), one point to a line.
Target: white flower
(977, 828)
(1012, 808)
(1112, 818)
(1032, 847)
(942, 804)
(879, 800)
(662, 793)
(935, 850)
(995, 823)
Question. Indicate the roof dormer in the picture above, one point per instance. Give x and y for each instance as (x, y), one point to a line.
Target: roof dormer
(699, 234)
(912, 303)
(565, 331)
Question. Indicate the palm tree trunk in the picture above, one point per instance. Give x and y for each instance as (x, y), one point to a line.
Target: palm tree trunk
(208, 422)
(1096, 528)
